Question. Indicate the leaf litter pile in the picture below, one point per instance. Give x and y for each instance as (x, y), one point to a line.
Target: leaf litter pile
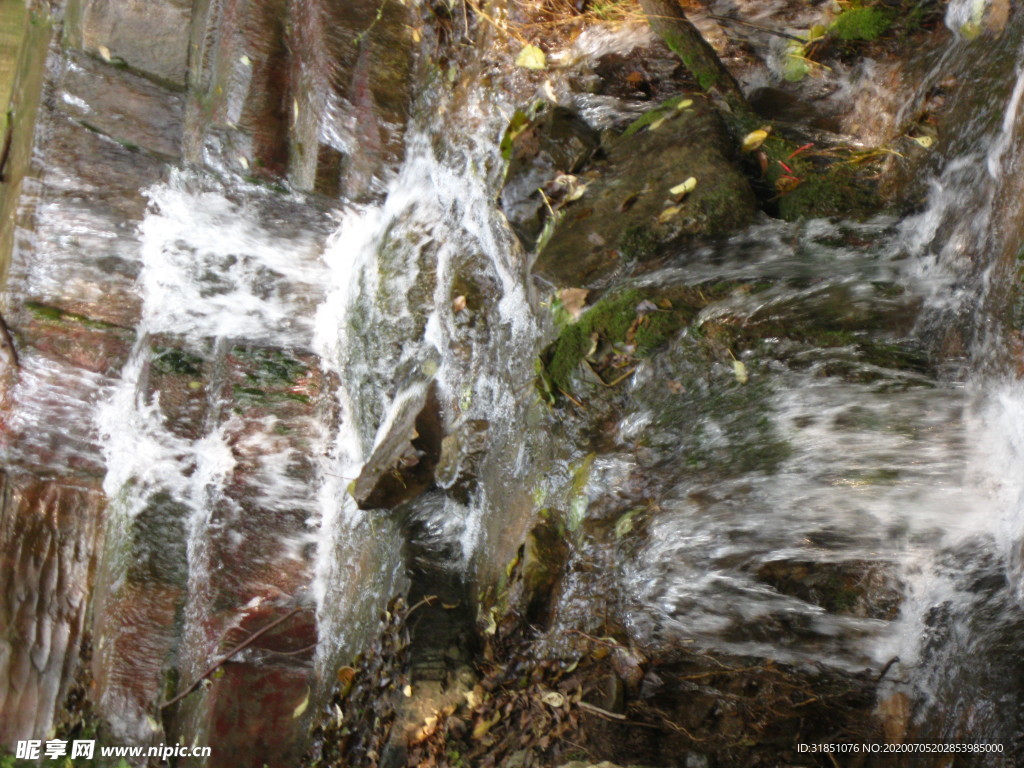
(597, 698)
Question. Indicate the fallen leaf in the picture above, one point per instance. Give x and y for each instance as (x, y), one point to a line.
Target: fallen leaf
(492, 623)
(302, 706)
(740, 370)
(480, 729)
(531, 57)
(924, 141)
(754, 139)
(576, 192)
(104, 53)
(669, 213)
(458, 304)
(628, 202)
(573, 301)
(685, 188)
(787, 183)
(553, 699)
(684, 104)
(245, 60)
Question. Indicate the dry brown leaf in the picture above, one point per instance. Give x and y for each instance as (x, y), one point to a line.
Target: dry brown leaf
(573, 300)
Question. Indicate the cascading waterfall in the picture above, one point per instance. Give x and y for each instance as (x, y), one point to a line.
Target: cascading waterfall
(385, 327)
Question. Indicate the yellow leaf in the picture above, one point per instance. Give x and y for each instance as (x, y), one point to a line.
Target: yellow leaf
(754, 139)
(302, 706)
(657, 124)
(924, 141)
(685, 188)
(492, 623)
(104, 53)
(531, 57)
(480, 729)
(553, 699)
(740, 370)
(669, 213)
(684, 104)
(245, 60)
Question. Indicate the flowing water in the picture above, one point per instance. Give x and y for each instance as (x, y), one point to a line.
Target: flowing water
(269, 342)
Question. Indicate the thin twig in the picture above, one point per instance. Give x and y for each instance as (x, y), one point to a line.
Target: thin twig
(234, 652)
(758, 26)
(726, 671)
(600, 711)
(308, 648)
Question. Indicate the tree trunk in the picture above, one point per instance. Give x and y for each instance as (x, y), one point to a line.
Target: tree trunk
(668, 20)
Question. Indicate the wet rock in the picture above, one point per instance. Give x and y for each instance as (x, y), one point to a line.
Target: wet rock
(894, 711)
(558, 142)
(49, 542)
(376, 44)
(858, 588)
(545, 554)
(629, 213)
(76, 340)
(461, 453)
(130, 109)
(150, 36)
(778, 105)
(402, 464)
(254, 705)
(179, 378)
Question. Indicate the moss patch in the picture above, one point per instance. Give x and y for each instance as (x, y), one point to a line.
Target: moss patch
(861, 24)
(622, 320)
(176, 362)
(49, 313)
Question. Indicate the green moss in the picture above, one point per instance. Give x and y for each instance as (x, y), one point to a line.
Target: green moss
(619, 321)
(270, 367)
(637, 243)
(255, 396)
(861, 24)
(835, 190)
(665, 109)
(56, 315)
(176, 362)
(611, 319)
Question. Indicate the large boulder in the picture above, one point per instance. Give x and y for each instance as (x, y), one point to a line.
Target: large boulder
(633, 202)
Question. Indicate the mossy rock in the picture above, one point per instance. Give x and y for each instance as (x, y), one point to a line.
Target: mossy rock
(861, 588)
(838, 190)
(626, 319)
(628, 212)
